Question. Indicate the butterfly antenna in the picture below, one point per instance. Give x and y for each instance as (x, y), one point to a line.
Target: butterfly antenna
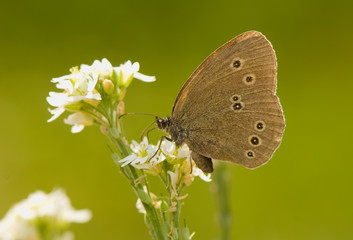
(148, 132)
(144, 130)
(146, 114)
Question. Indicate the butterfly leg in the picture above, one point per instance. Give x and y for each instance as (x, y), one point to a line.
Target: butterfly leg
(159, 146)
(204, 163)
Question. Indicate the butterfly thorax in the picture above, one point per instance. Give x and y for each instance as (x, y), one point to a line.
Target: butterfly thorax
(177, 133)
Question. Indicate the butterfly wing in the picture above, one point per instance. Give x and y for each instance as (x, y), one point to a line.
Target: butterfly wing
(225, 99)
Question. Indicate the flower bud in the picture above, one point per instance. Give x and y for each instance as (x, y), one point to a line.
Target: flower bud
(108, 86)
(120, 108)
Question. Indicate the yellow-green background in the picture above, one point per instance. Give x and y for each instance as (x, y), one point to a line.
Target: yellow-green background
(304, 192)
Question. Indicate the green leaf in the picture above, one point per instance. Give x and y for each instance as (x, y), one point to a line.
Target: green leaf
(166, 215)
(186, 232)
(145, 198)
(116, 158)
(114, 77)
(164, 206)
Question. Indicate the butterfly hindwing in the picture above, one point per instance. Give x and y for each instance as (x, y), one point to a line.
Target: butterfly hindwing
(247, 135)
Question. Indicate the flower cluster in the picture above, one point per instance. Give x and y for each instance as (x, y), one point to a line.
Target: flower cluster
(42, 215)
(94, 95)
(177, 157)
(170, 160)
(142, 157)
(89, 91)
(175, 168)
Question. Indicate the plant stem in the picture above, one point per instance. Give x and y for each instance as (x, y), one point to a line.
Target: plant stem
(176, 221)
(153, 220)
(221, 183)
(155, 228)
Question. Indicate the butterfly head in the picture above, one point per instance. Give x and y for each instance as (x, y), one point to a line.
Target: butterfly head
(164, 123)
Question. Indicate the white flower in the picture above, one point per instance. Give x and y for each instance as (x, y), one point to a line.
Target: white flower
(173, 153)
(182, 174)
(180, 157)
(198, 172)
(79, 120)
(141, 158)
(12, 228)
(127, 71)
(53, 209)
(78, 86)
(188, 176)
(141, 153)
(104, 68)
(87, 85)
(174, 178)
(54, 205)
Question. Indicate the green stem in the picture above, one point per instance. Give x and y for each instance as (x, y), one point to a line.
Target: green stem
(176, 221)
(153, 223)
(177, 230)
(156, 227)
(221, 182)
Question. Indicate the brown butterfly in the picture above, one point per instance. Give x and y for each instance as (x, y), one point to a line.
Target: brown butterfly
(227, 109)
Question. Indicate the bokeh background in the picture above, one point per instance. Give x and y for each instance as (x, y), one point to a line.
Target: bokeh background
(304, 192)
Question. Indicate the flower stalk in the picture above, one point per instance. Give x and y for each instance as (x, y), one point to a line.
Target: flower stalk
(152, 220)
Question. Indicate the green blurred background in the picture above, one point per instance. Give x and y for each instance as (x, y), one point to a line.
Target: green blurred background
(304, 192)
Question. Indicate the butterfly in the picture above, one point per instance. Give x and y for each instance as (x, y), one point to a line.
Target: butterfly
(228, 109)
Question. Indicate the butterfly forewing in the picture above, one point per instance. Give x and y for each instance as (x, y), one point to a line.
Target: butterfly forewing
(229, 105)
(249, 55)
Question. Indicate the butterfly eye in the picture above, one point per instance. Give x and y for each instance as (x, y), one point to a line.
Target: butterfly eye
(250, 154)
(255, 140)
(249, 79)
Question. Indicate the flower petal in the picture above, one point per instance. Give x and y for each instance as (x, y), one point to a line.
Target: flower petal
(57, 99)
(79, 118)
(135, 67)
(198, 172)
(56, 113)
(78, 216)
(77, 128)
(144, 78)
(106, 64)
(174, 177)
(127, 160)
